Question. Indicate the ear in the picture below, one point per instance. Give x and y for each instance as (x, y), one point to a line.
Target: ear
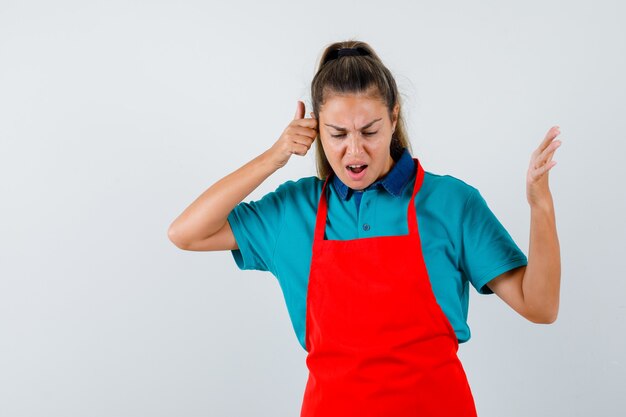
(396, 112)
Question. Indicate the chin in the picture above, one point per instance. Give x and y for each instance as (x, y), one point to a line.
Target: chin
(358, 185)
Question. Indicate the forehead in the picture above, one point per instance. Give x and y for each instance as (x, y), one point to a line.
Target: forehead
(351, 109)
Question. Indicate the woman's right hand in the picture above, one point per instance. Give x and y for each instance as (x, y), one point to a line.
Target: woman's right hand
(297, 138)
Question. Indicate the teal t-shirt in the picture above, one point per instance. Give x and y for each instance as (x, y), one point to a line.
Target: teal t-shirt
(462, 240)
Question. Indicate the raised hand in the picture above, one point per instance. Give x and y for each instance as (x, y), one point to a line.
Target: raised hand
(297, 138)
(537, 187)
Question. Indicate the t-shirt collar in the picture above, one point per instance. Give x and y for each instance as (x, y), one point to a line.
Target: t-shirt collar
(395, 180)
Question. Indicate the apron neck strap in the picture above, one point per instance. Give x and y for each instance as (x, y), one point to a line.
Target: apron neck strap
(411, 213)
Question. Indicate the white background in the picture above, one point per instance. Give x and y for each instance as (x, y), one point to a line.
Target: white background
(115, 115)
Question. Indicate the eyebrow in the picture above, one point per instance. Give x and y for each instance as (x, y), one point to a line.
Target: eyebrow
(344, 129)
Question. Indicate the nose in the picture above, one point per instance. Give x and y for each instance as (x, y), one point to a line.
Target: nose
(354, 145)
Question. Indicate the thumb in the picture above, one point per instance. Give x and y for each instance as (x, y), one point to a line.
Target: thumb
(299, 111)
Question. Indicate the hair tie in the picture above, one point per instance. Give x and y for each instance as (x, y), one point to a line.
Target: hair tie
(346, 52)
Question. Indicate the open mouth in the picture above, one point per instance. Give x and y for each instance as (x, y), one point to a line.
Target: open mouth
(356, 168)
(356, 172)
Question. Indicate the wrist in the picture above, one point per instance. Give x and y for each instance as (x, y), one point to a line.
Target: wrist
(265, 161)
(544, 205)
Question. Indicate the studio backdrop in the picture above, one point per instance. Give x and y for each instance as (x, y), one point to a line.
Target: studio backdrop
(116, 115)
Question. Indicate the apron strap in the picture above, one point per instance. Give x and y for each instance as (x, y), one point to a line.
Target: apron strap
(411, 213)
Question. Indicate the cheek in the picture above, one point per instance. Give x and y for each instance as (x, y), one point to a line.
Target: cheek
(333, 146)
(332, 154)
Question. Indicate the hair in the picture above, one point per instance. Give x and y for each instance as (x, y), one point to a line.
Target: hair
(356, 74)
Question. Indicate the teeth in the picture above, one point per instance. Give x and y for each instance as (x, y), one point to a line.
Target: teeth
(355, 166)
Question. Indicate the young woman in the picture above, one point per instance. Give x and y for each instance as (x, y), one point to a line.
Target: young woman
(375, 255)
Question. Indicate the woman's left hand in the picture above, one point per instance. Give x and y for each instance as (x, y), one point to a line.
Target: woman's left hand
(537, 188)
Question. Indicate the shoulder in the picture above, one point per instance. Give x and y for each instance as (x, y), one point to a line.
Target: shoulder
(305, 190)
(302, 187)
(303, 184)
(446, 190)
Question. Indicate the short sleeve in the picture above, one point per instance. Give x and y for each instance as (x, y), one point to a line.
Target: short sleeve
(487, 249)
(256, 226)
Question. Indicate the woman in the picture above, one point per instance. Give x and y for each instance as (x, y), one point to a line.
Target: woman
(375, 255)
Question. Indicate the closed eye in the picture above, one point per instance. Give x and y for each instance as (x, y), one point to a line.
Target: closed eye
(365, 133)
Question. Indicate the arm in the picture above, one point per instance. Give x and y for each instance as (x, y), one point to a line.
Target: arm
(204, 225)
(533, 290)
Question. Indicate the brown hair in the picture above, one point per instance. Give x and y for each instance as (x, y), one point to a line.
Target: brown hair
(356, 74)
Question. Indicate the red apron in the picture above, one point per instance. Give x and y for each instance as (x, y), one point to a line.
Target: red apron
(378, 343)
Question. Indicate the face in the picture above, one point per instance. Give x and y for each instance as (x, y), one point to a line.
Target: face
(356, 130)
